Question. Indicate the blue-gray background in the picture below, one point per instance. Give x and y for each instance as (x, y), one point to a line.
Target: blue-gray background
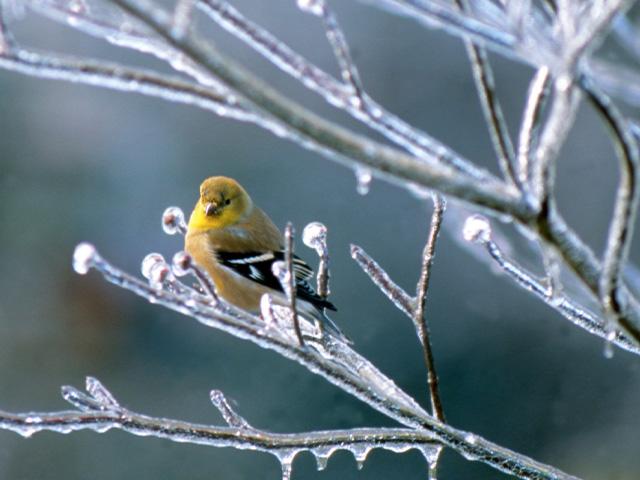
(80, 163)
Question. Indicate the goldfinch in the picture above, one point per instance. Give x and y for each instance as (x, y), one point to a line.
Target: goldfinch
(237, 243)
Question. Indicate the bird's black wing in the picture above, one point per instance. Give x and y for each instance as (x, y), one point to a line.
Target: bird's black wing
(256, 266)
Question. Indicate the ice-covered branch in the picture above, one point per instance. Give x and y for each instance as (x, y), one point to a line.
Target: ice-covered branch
(322, 354)
(477, 229)
(421, 324)
(626, 203)
(536, 98)
(99, 411)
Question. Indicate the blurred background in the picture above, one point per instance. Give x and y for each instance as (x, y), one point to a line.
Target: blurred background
(85, 164)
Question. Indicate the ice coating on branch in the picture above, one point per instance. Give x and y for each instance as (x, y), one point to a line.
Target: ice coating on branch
(363, 180)
(230, 416)
(84, 257)
(314, 7)
(266, 309)
(173, 221)
(98, 391)
(477, 229)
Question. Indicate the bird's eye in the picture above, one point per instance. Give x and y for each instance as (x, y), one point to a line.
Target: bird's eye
(227, 201)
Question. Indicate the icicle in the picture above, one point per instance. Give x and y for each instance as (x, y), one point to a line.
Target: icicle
(323, 454)
(431, 453)
(477, 229)
(84, 257)
(360, 452)
(286, 462)
(173, 221)
(608, 344)
(363, 180)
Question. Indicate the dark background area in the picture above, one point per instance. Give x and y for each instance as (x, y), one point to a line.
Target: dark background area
(80, 163)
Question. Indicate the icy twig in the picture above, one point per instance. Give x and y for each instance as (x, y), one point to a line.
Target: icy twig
(340, 47)
(626, 204)
(419, 319)
(230, 416)
(555, 131)
(485, 86)
(536, 99)
(182, 16)
(336, 93)
(183, 264)
(290, 279)
(382, 280)
(315, 236)
(478, 230)
(122, 78)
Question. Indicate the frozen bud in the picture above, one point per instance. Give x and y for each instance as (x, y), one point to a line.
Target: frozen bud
(173, 221)
(84, 257)
(279, 269)
(314, 236)
(159, 274)
(314, 7)
(182, 263)
(477, 229)
(149, 262)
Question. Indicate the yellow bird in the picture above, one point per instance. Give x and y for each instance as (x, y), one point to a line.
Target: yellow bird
(237, 243)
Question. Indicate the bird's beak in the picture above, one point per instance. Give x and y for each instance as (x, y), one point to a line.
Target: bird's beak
(210, 209)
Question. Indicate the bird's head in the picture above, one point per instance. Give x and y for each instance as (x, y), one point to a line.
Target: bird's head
(222, 203)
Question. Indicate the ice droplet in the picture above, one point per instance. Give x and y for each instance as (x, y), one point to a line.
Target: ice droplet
(477, 229)
(149, 262)
(470, 438)
(608, 345)
(431, 453)
(173, 221)
(83, 257)
(182, 264)
(363, 180)
(314, 236)
(314, 7)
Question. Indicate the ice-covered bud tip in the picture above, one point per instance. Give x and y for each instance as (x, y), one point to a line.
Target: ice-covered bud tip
(159, 274)
(173, 221)
(314, 236)
(149, 262)
(266, 309)
(314, 7)
(182, 263)
(477, 229)
(84, 257)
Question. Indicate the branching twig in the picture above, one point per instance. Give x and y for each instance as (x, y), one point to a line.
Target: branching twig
(421, 324)
(290, 279)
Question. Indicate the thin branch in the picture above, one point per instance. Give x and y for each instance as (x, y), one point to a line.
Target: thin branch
(382, 280)
(290, 279)
(419, 319)
(575, 313)
(536, 99)
(485, 86)
(626, 203)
